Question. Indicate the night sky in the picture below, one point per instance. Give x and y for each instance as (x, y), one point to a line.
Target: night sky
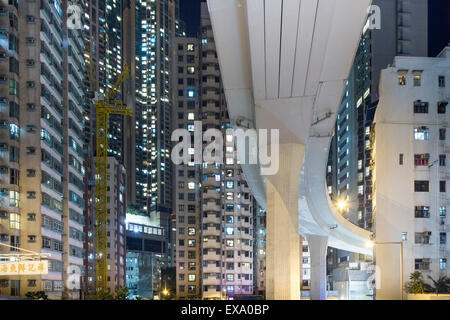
(190, 14)
(439, 26)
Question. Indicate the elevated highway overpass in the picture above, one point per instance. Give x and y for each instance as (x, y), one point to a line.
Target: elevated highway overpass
(284, 65)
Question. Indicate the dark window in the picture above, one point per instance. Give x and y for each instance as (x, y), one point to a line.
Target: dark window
(442, 186)
(152, 245)
(420, 107)
(442, 132)
(191, 219)
(441, 81)
(134, 244)
(442, 158)
(442, 238)
(442, 106)
(421, 186)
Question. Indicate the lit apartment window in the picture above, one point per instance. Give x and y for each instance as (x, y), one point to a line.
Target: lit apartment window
(422, 212)
(402, 80)
(442, 264)
(14, 221)
(421, 159)
(13, 199)
(360, 164)
(421, 133)
(417, 79)
(13, 131)
(422, 237)
(442, 211)
(190, 47)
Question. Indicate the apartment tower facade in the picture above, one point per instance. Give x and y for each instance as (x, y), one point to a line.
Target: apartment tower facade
(42, 143)
(411, 194)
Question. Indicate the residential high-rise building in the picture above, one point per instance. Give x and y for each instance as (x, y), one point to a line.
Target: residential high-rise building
(116, 224)
(186, 177)
(259, 250)
(411, 194)
(42, 143)
(350, 166)
(145, 255)
(214, 208)
(227, 204)
(305, 268)
(400, 29)
(103, 63)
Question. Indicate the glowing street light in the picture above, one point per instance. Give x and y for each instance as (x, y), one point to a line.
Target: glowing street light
(342, 205)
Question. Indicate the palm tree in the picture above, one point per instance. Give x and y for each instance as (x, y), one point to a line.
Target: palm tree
(416, 284)
(440, 285)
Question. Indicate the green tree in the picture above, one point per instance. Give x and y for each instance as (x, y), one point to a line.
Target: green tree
(122, 293)
(440, 285)
(416, 284)
(36, 295)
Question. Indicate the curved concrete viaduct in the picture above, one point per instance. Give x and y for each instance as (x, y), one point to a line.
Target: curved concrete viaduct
(284, 65)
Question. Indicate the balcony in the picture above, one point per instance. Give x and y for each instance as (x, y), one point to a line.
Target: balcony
(211, 182)
(210, 107)
(211, 281)
(211, 95)
(211, 70)
(211, 218)
(210, 46)
(211, 194)
(211, 206)
(211, 255)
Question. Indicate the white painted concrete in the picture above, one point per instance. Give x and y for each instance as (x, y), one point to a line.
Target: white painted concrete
(253, 39)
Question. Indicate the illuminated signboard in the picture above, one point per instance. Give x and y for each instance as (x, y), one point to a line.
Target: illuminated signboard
(24, 268)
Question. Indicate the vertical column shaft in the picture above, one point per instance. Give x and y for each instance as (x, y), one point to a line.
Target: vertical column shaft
(282, 243)
(318, 254)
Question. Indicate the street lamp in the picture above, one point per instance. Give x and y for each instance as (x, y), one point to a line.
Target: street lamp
(401, 260)
(342, 204)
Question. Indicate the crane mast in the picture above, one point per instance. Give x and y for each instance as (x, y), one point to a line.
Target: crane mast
(104, 107)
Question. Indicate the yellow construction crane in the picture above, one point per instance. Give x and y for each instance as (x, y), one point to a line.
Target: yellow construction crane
(104, 107)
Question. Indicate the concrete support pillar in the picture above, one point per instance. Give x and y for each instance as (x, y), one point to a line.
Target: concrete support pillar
(318, 253)
(282, 242)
